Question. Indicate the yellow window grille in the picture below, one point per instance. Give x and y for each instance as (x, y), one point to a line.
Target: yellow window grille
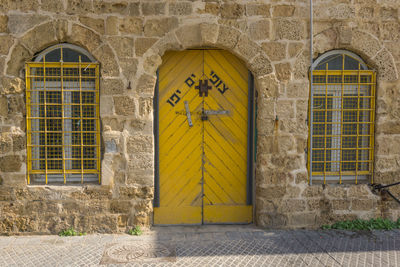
(341, 118)
(63, 128)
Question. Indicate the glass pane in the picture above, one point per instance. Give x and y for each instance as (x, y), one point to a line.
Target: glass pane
(70, 55)
(350, 63)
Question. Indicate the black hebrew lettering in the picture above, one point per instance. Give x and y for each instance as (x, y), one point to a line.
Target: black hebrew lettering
(189, 81)
(218, 83)
(175, 98)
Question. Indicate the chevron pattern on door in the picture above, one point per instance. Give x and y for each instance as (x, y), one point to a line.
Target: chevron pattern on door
(203, 139)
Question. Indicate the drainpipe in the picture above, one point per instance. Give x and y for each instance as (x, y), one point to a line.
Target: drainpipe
(311, 89)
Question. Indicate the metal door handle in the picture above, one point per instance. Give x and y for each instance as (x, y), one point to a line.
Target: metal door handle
(189, 117)
(216, 112)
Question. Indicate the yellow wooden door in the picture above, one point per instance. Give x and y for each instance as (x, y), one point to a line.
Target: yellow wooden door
(203, 125)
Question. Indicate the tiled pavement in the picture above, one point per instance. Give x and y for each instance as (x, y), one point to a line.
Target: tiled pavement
(207, 246)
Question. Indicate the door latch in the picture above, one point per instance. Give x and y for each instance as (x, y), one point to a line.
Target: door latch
(189, 117)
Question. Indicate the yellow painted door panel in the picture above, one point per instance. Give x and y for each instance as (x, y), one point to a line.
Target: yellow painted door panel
(203, 165)
(180, 149)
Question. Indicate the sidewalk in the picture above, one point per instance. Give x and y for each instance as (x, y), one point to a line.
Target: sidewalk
(206, 246)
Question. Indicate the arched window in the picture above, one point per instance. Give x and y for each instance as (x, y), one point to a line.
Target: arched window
(342, 110)
(63, 130)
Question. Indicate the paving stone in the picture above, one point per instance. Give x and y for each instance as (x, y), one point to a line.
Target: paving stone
(211, 246)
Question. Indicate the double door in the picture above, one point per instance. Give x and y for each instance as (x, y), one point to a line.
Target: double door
(203, 170)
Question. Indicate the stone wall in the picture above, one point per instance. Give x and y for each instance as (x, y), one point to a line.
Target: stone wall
(128, 38)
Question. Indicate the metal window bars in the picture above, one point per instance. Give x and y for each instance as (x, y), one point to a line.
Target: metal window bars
(341, 132)
(63, 127)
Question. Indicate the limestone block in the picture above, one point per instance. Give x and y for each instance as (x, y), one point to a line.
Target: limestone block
(19, 141)
(287, 162)
(85, 38)
(259, 30)
(359, 192)
(292, 205)
(297, 90)
(325, 41)
(40, 37)
(109, 66)
(19, 55)
(301, 178)
(283, 71)
(386, 145)
(129, 67)
(140, 177)
(61, 28)
(212, 8)
(336, 191)
(267, 86)
(5, 143)
(143, 44)
(271, 192)
(6, 41)
(271, 220)
(294, 49)
(366, 43)
(140, 144)
(114, 124)
(19, 5)
(11, 85)
(302, 109)
(102, 7)
(112, 25)
(145, 126)
(276, 51)
(106, 105)
(283, 11)
(388, 127)
(240, 24)
(151, 63)
(131, 25)
(189, 36)
(79, 7)
(386, 68)
(16, 105)
(390, 31)
(134, 192)
(258, 9)
(386, 164)
(111, 87)
(365, 12)
(293, 126)
(21, 23)
(3, 106)
(306, 219)
(363, 204)
(180, 8)
(134, 9)
(290, 29)
(265, 110)
(228, 37)
(345, 35)
(313, 191)
(120, 206)
(388, 13)
(153, 8)
(159, 27)
(341, 11)
(232, 10)
(246, 47)
(145, 106)
(261, 65)
(123, 46)
(146, 84)
(301, 142)
(394, 49)
(95, 24)
(301, 65)
(141, 162)
(292, 191)
(10, 163)
(55, 6)
(209, 33)
(124, 105)
(168, 42)
(3, 23)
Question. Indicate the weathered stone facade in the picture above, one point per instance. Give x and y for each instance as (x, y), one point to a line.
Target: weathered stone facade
(128, 38)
